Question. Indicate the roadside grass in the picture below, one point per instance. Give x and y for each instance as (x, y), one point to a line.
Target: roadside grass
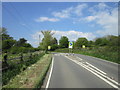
(14, 68)
(105, 53)
(33, 76)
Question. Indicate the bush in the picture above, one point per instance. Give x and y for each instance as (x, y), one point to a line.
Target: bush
(54, 47)
(16, 50)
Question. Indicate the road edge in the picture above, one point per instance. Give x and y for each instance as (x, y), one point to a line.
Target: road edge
(50, 74)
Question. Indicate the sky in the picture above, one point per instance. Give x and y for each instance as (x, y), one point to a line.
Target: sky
(71, 19)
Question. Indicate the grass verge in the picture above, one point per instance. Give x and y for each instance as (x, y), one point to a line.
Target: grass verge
(33, 76)
(15, 69)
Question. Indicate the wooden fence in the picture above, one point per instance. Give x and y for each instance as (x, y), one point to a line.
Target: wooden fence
(21, 58)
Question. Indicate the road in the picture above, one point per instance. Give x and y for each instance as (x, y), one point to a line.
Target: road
(78, 71)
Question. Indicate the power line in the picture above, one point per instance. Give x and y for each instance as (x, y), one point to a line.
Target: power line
(8, 11)
(19, 14)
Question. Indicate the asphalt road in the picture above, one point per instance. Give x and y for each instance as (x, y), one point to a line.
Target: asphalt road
(110, 68)
(67, 74)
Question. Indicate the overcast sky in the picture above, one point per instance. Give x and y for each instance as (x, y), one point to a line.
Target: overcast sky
(71, 19)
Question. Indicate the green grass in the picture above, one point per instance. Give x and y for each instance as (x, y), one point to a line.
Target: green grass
(106, 53)
(33, 76)
(14, 69)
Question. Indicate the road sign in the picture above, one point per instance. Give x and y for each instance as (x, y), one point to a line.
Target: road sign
(49, 47)
(83, 46)
(70, 44)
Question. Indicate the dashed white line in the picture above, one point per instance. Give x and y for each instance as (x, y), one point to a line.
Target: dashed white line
(47, 85)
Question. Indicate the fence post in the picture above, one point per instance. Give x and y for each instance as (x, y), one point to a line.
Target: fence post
(30, 56)
(5, 59)
(21, 57)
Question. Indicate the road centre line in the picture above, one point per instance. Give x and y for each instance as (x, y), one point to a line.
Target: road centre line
(93, 71)
(96, 68)
(101, 74)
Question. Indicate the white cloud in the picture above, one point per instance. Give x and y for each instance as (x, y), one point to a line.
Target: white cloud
(68, 12)
(105, 17)
(90, 18)
(72, 35)
(109, 23)
(78, 9)
(64, 13)
(42, 19)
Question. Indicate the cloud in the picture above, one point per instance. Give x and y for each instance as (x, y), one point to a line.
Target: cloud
(78, 9)
(64, 13)
(42, 19)
(68, 12)
(105, 17)
(90, 18)
(71, 34)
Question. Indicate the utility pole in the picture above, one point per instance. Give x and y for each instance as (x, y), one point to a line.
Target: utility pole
(39, 39)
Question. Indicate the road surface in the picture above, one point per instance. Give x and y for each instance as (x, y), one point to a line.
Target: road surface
(78, 71)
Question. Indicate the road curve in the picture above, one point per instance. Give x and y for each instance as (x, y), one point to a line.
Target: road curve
(67, 74)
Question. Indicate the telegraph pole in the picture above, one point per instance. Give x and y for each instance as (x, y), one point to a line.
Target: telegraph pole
(39, 39)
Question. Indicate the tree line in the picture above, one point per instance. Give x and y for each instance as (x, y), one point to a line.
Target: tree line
(49, 40)
(9, 44)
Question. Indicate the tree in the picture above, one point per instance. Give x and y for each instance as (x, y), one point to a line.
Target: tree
(54, 41)
(90, 43)
(46, 41)
(113, 40)
(27, 45)
(101, 41)
(21, 42)
(7, 44)
(7, 41)
(80, 42)
(63, 42)
(4, 34)
(3, 30)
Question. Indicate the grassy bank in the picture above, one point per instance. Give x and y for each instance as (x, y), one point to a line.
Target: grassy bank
(33, 76)
(106, 53)
(14, 69)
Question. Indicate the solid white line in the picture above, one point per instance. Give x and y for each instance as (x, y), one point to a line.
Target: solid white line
(101, 74)
(101, 78)
(47, 85)
(79, 58)
(86, 67)
(95, 68)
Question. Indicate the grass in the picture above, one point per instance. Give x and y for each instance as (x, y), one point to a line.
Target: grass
(14, 69)
(106, 53)
(33, 76)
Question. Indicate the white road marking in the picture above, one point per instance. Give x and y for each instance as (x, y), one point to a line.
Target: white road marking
(80, 58)
(98, 74)
(47, 85)
(101, 74)
(95, 68)
(101, 78)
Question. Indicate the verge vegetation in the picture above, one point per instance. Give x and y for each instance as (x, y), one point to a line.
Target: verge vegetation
(33, 76)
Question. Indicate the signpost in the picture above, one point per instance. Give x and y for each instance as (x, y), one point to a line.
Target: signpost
(70, 44)
(83, 46)
(70, 47)
(49, 47)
